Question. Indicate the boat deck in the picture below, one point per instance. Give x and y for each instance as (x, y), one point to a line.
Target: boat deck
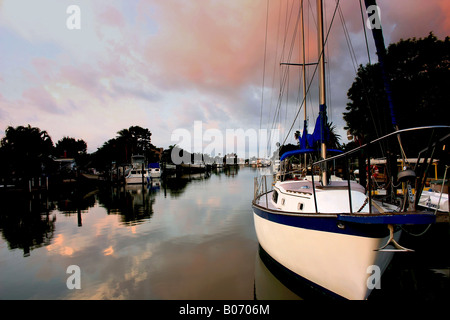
(377, 208)
(305, 186)
(265, 202)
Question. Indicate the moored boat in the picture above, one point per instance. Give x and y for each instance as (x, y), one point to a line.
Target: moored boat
(155, 170)
(138, 173)
(331, 233)
(137, 176)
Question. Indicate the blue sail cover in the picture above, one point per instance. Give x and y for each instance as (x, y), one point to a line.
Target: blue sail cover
(306, 140)
(300, 151)
(321, 131)
(309, 140)
(295, 152)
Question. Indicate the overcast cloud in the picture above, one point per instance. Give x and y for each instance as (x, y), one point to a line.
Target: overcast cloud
(165, 64)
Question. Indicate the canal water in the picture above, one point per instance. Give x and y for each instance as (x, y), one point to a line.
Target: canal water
(190, 237)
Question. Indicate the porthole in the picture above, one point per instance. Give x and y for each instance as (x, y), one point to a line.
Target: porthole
(282, 201)
(300, 206)
(275, 196)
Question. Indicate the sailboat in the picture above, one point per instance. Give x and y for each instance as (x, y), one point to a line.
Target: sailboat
(333, 234)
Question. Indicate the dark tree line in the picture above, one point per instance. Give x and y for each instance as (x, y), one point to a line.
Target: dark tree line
(419, 75)
(128, 142)
(27, 151)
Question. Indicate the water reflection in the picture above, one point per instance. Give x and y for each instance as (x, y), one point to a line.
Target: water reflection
(268, 286)
(133, 203)
(275, 282)
(26, 222)
(185, 237)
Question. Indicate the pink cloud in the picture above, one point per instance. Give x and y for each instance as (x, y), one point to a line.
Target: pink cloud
(416, 18)
(43, 66)
(215, 49)
(40, 99)
(219, 46)
(445, 7)
(211, 44)
(111, 16)
(83, 76)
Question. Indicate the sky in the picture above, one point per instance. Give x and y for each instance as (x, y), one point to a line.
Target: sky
(189, 71)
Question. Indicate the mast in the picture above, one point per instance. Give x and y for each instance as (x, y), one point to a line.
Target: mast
(322, 94)
(377, 33)
(304, 79)
(378, 38)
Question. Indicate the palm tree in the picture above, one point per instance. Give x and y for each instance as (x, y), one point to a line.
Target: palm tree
(127, 139)
(334, 141)
(27, 150)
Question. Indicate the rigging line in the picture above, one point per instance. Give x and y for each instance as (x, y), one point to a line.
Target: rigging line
(355, 64)
(282, 75)
(371, 80)
(303, 101)
(264, 72)
(364, 28)
(276, 57)
(349, 41)
(308, 59)
(291, 50)
(286, 73)
(285, 76)
(328, 76)
(274, 65)
(315, 69)
(376, 127)
(354, 59)
(314, 20)
(301, 54)
(278, 115)
(286, 109)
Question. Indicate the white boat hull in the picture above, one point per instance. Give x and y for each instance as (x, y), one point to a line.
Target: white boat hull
(155, 173)
(135, 176)
(334, 261)
(135, 180)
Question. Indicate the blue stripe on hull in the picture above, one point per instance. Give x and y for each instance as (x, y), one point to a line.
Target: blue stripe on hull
(320, 222)
(394, 218)
(366, 225)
